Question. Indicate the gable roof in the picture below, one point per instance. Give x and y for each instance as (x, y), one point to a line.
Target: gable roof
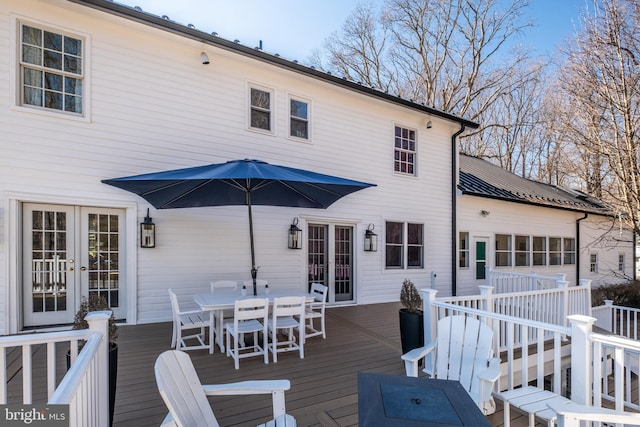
(189, 31)
(480, 178)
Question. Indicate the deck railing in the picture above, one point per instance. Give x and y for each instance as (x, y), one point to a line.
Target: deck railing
(84, 387)
(503, 281)
(549, 354)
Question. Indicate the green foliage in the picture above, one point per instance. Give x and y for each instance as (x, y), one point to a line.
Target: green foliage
(95, 302)
(410, 297)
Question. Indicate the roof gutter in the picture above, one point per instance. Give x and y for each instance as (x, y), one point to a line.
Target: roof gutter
(454, 210)
(578, 247)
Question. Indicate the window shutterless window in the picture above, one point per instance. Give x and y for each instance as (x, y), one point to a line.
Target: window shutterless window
(404, 151)
(463, 244)
(522, 251)
(404, 238)
(51, 70)
(539, 250)
(621, 262)
(555, 251)
(593, 263)
(260, 109)
(394, 244)
(569, 251)
(299, 119)
(503, 250)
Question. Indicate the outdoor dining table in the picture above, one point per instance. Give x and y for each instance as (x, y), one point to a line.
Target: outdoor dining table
(225, 299)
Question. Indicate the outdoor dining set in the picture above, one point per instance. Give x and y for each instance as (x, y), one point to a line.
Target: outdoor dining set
(246, 325)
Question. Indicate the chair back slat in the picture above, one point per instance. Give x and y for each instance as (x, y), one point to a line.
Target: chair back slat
(182, 391)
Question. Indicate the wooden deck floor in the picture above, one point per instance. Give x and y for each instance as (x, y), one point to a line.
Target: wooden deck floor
(323, 384)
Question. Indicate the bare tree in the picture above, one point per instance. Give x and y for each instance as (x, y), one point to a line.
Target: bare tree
(601, 80)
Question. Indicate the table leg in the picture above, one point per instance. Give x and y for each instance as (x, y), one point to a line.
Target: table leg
(220, 329)
(212, 325)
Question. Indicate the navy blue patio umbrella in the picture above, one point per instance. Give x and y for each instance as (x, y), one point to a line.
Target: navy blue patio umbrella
(238, 182)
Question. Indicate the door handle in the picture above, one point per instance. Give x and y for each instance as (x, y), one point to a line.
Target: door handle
(83, 268)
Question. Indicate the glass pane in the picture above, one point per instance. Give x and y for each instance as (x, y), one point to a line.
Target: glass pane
(260, 99)
(31, 35)
(53, 81)
(414, 236)
(93, 222)
(49, 220)
(32, 55)
(394, 256)
(72, 46)
(32, 96)
(503, 242)
(415, 256)
(53, 60)
(72, 64)
(113, 223)
(298, 128)
(260, 120)
(53, 41)
(298, 109)
(53, 100)
(32, 77)
(480, 271)
(394, 232)
(73, 104)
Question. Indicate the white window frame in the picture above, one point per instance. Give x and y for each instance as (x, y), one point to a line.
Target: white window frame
(539, 251)
(555, 253)
(407, 151)
(291, 118)
(522, 252)
(568, 253)
(404, 246)
(593, 262)
(464, 251)
(507, 251)
(17, 74)
(271, 110)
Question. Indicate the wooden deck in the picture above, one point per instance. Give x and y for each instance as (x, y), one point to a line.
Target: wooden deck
(323, 384)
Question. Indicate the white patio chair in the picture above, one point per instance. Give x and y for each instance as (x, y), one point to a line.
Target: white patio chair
(463, 353)
(186, 397)
(188, 320)
(249, 316)
(283, 320)
(570, 414)
(315, 310)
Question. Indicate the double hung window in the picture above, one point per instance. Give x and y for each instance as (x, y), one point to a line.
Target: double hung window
(404, 151)
(299, 118)
(539, 250)
(51, 70)
(261, 115)
(503, 250)
(463, 261)
(522, 251)
(404, 245)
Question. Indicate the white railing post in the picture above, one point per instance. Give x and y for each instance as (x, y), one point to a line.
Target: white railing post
(486, 292)
(587, 284)
(564, 285)
(430, 316)
(581, 358)
(487, 275)
(99, 322)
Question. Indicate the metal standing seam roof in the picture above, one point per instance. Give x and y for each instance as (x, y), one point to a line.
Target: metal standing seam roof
(481, 178)
(212, 39)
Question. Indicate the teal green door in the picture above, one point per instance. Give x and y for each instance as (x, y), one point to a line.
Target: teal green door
(481, 259)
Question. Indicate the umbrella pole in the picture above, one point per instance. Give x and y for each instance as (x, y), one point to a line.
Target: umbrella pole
(254, 270)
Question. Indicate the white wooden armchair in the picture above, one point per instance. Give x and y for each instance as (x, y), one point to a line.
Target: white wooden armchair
(186, 397)
(462, 352)
(571, 414)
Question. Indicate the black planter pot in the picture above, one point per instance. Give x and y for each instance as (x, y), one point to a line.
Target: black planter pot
(113, 376)
(411, 330)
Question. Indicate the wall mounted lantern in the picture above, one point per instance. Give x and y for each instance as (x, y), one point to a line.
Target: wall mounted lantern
(147, 232)
(370, 239)
(295, 235)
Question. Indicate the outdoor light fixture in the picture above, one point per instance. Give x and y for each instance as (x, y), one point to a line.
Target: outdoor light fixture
(204, 58)
(484, 213)
(370, 239)
(429, 124)
(295, 235)
(147, 232)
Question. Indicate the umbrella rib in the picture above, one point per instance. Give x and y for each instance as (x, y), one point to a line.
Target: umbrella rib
(191, 190)
(265, 183)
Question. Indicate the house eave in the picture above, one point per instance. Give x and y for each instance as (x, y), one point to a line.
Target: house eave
(168, 25)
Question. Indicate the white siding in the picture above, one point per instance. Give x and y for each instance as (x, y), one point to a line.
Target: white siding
(154, 107)
(521, 219)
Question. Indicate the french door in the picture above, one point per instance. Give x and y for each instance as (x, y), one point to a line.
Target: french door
(69, 252)
(330, 259)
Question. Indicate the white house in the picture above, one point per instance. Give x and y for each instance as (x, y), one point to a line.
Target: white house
(511, 223)
(96, 90)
